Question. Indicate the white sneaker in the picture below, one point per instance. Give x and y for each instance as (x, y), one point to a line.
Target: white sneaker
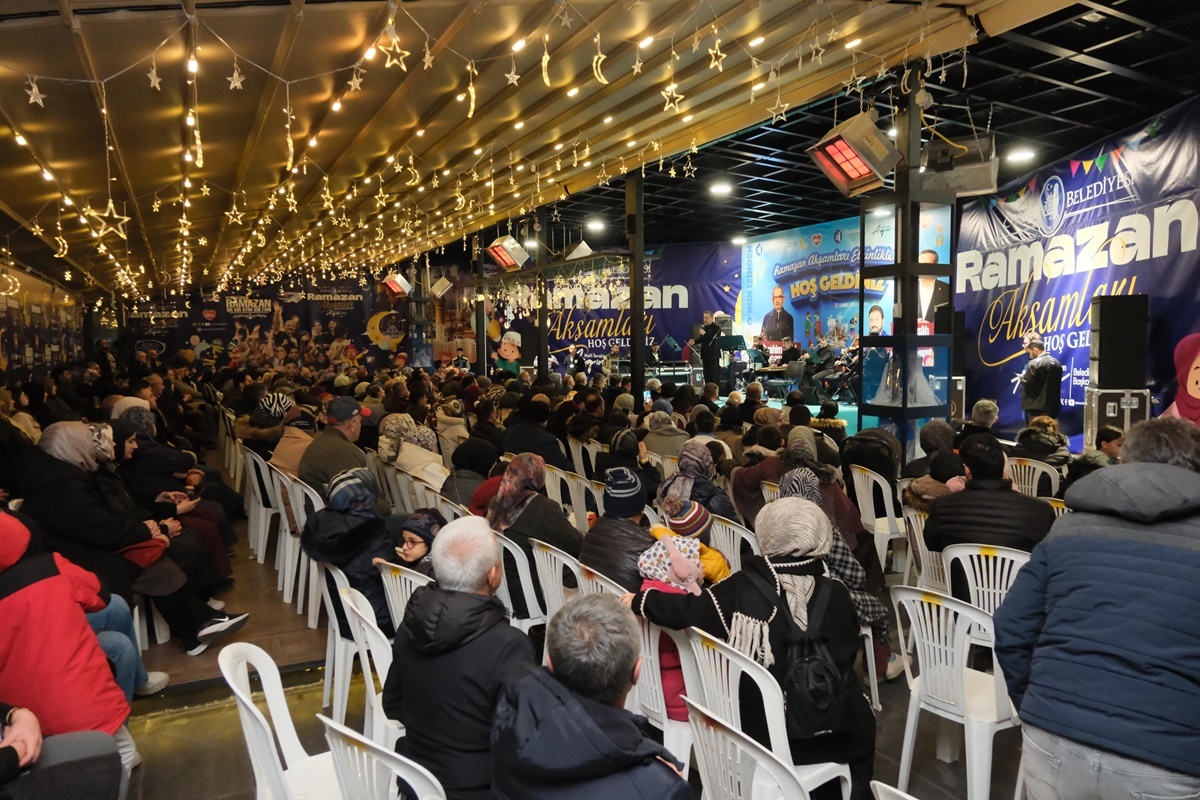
(896, 664)
(215, 604)
(155, 683)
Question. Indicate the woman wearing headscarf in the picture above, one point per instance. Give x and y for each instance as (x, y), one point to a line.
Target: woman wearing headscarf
(803, 483)
(747, 611)
(729, 431)
(763, 463)
(936, 437)
(87, 516)
(694, 481)
(843, 514)
(451, 423)
(487, 422)
(624, 450)
(665, 437)
(412, 448)
(350, 534)
(14, 410)
(473, 461)
(521, 512)
(1187, 375)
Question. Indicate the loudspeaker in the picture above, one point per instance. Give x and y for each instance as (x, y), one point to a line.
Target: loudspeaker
(1119, 331)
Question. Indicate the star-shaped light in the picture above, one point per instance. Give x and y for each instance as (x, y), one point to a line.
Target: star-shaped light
(696, 42)
(818, 53)
(202, 241)
(355, 82)
(602, 175)
(689, 171)
(35, 96)
(717, 57)
(563, 15)
(779, 111)
(512, 76)
(205, 190)
(110, 220)
(395, 55)
(291, 201)
(101, 249)
(637, 64)
(235, 80)
(671, 172)
(428, 59)
(155, 81)
(36, 228)
(380, 196)
(672, 97)
(156, 205)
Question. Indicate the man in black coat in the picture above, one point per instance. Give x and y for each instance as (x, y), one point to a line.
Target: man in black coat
(1041, 381)
(450, 657)
(710, 352)
(988, 511)
(563, 731)
(614, 544)
(529, 435)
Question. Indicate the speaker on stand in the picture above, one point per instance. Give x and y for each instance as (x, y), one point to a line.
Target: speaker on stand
(1119, 341)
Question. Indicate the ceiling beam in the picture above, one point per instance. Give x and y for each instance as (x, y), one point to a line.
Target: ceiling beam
(1096, 63)
(1170, 33)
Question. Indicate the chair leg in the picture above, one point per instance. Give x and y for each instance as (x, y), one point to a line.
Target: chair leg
(949, 741)
(301, 578)
(330, 667)
(910, 740)
(979, 759)
(341, 678)
(314, 595)
(139, 626)
(881, 548)
(868, 639)
(162, 631)
(677, 738)
(1020, 793)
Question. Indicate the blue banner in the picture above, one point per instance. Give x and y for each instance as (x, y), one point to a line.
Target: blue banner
(1117, 218)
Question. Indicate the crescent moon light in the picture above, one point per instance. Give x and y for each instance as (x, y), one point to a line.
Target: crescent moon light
(546, 67)
(414, 178)
(597, 63)
(61, 252)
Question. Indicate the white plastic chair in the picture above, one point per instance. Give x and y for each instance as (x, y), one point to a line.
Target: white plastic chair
(721, 669)
(942, 628)
(448, 508)
(303, 497)
(298, 775)
(555, 479)
(288, 551)
(1027, 473)
(366, 771)
(375, 464)
(884, 792)
(577, 458)
(1060, 508)
(375, 659)
(727, 537)
(549, 563)
(652, 516)
(398, 585)
(264, 508)
(901, 485)
(930, 571)
(732, 765)
(399, 488)
(656, 460)
(598, 493)
(770, 491)
(593, 449)
(339, 650)
(883, 528)
(592, 582)
(447, 446)
(579, 487)
(990, 571)
(535, 615)
(677, 736)
(670, 466)
(424, 493)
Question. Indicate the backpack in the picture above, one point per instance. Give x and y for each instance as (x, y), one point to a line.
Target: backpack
(816, 698)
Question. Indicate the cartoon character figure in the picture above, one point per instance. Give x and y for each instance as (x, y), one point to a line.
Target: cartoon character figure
(1187, 372)
(808, 324)
(509, 353)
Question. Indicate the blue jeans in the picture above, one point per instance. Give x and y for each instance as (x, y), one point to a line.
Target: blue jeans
(1057, 768)
(114, 628)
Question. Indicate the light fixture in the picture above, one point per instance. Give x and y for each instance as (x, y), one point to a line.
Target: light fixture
(758, 86)
(20, 140)
(420, 132)
(1021, 155)
(520, 168)
(740, 240)
(574, 90)
(649, 40)
(853, 43)
(507, 253)
(856, 155)
(187, 183)
(756, 41)
(630, 143)
(607, 120)
(892, 133)
(191, 119)
(337, 105)
(518, 124)
(460, 97)
(881, 212)
(518, 45)
(687, 118)
(478, 151)
(558, 146)
(595, 225)
(587, 163)
(445, 172)
(193, 66)
(312, 142)
(531, 244)
(46, 175)
(720, 189)
(67, 201)
(370, 54)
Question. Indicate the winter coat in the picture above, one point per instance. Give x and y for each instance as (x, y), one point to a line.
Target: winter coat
(530, 437)
(1099, 636)
(329, 453)
(670, 668)
(968, 430)
(923, 491)
(552, 744)
(460, 486)
(260, 440)
(988, 512)
(152, 470)
(665, 441)
(647, 472)
(1049, 448)
(349, 542)
(289, 450)
(712, 561)
(450, 658)
(490, 432)
(713, 498)
(53, 664)
(421, 462)
(733, 440)
(541, 519)
(1082, 466)
(613, 547)
(747, 494)
(453, 428)
(834, 428)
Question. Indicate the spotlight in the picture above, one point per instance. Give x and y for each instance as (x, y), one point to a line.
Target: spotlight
(595, 225)
(738, 240)
(1022, 155)
(856, 155)
(649, 40)
(720, 189)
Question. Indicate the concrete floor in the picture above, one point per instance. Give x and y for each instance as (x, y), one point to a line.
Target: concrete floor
(194, 750)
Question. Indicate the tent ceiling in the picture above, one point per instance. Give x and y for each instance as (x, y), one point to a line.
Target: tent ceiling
(1052, 86)
(91, 60)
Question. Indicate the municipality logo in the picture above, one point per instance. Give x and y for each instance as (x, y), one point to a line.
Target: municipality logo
(1053, 206)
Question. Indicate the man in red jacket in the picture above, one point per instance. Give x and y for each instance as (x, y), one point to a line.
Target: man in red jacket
(53, 664)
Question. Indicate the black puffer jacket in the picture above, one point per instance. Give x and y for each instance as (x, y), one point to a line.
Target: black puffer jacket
(450, 659)
(350, 542)
(612, 548)
(552, 744)
(1049, 448)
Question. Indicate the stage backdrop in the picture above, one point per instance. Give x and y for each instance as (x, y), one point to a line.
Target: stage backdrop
(1117, 218)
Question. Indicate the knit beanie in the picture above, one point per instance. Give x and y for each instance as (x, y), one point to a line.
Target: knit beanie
(425, 522)
(688, 519)
(624, 494)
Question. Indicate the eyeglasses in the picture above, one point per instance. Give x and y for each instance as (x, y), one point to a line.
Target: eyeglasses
(411, 543)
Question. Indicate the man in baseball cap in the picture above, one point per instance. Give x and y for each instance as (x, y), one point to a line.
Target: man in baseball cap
(343, 409)
(333, 450)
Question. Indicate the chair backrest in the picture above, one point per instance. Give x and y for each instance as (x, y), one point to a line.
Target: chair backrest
(579, 487)
(650, 694)
(524, 574)
(652, 516)
(375, 464)
(366, 771)
(770, 491)
(884, 792)
(235, 662)
(333, 602)
(260, 486)
(729, 760)
(598, 493)
(447, 446)
(1027, 473)
(279, 485)
(866, 481)
(942, 628)
(901, 485)
(374, 656)
(1060, 508)
(593, 449)
(592, 582)
(576, 448)
(990, 571)
(727, 536)
(400, 484)
(450, 509)
(931, 573)
(424, 494)
(655, 459)
(670, 466)
(398, 585)
(549, 562)
(301, 496)
(555, 480)
(721, 668)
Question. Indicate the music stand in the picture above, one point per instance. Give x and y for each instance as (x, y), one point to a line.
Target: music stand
(731, 344)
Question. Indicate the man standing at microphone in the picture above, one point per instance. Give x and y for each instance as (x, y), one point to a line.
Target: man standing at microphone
(710, 354)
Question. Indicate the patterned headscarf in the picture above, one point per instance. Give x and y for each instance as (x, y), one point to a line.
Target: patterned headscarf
(802, 452)
(391, 434)
(675, 561)
(794, 532)
(695, 461)
(801, 482)
(422, 437)
(353, 492)
(71, 442)
(102, 443)
(659, 420)
(142, 420)
(524, 478)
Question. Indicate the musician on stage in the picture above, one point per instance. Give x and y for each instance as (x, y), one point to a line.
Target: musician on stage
(611, 364)
(710, 353)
